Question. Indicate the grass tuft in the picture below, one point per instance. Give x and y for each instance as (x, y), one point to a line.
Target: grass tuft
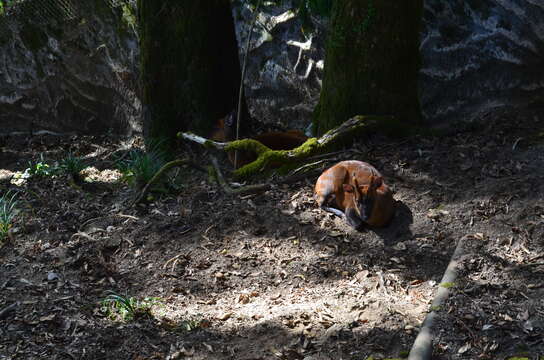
(141, 166)
(8, 210)
(126, 308)
(72, 165)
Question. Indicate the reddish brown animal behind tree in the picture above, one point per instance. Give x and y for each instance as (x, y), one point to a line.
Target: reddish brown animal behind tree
(225, 130)
(355, 191)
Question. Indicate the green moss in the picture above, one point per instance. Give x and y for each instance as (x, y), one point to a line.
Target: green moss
(308, 147)
(267, 157)
(248, 145)
(129, 17)
(448, 285)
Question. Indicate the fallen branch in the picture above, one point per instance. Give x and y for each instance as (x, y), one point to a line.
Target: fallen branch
(265, 155)
(311, 147)
(422, 348)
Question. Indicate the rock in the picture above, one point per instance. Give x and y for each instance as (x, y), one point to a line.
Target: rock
(476, 57)
(52, 276)
(68, 76)
(480, 55)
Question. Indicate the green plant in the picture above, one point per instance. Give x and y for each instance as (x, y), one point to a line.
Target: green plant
(126, 308)
(72, 165)
(39, 169)
(8, 210)
(141, 166)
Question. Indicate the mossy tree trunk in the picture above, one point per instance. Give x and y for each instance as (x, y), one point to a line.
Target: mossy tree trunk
(189, 65)
(371, 62)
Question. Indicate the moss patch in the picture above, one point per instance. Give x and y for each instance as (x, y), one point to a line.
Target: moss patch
(267, 157)
(447, 285)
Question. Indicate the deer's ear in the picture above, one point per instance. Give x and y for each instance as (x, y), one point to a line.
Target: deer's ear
(348, 188)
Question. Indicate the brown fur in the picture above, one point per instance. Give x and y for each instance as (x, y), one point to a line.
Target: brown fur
(358, 190)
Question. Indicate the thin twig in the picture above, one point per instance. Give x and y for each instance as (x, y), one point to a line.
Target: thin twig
(241, 93)
(355, 125)
(245, 190)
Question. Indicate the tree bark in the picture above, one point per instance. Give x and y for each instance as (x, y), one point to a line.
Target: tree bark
(371, 62)
(189, 66)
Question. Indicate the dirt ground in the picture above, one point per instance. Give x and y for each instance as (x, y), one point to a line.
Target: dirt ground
(270, 276)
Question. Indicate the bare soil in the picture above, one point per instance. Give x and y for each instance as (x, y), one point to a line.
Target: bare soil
(270, 276)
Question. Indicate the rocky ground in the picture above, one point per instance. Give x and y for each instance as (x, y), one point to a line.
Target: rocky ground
(270, 276)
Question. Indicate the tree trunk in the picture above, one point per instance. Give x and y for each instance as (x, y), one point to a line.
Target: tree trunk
(189, 66)
(371, 62)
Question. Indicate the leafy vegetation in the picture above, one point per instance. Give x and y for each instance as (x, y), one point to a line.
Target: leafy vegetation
(126, 308)
(8, 210)
(141, 166)
(39, 169)
(71, 165)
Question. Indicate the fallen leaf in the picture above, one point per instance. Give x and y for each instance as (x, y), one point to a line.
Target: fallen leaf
(243, 298)
(362, 275)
